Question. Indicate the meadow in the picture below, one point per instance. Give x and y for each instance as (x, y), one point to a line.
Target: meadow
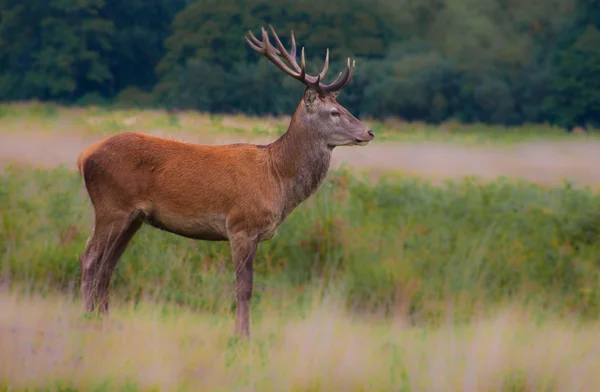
(103, 120)
(387, 283)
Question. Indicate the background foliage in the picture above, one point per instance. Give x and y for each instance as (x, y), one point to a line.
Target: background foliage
(495, 61)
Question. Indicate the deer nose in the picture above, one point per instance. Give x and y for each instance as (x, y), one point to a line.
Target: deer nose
(371, 134)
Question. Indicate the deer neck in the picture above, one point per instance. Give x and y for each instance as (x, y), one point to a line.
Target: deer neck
(299, 162)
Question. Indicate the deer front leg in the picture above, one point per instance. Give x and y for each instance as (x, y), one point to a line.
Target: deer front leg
(243, 249)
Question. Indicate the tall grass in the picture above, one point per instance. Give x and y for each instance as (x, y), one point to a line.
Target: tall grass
(394, 285)
(48, 346)
(398, 248)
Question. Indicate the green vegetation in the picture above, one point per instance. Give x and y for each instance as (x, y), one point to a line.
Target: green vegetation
(397, 285)
(491, 61)
(401, 247)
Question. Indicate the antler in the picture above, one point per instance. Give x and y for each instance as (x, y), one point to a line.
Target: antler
(294, 70)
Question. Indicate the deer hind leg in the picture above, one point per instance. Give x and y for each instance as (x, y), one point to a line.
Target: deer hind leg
(108, 242)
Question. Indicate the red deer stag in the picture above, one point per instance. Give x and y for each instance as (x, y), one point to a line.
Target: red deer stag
(239, 193)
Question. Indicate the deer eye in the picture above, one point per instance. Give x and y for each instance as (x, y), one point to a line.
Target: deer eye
(335, 113)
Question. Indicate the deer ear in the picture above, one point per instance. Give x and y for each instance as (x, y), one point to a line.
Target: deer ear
(335, 94)
(310, 96)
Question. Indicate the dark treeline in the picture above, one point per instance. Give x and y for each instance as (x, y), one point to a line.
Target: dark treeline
(494, 61)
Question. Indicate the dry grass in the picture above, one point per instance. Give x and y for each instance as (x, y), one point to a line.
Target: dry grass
(47, 342)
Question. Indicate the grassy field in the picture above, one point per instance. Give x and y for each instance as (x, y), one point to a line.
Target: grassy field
(28, 116)
(48, 346)
(46, 136)
(387, 284)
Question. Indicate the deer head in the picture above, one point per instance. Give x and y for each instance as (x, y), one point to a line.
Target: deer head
(319, 112)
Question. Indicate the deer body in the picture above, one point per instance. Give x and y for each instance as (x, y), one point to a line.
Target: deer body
(197, 191)
(239, 193)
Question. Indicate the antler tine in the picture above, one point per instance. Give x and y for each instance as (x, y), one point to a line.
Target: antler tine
(266, 42)
(302, 65)
(269, 51)
(293, 50)
(325, 66)
(350, 72)
(336, 81)
(342, 79)
(291, 59)
(256, 45)
(254, 39)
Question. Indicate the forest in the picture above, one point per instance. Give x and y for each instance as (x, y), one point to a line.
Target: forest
(502, 62)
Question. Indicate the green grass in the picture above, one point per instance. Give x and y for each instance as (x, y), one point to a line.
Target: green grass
(400, 246)
(35, 116)
(394, 284)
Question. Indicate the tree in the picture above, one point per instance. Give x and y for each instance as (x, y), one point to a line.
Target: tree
(140, 29)
(53, 49)
(212, 31)
(575, 96)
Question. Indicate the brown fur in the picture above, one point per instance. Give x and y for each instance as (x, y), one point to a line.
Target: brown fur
(239, 193)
